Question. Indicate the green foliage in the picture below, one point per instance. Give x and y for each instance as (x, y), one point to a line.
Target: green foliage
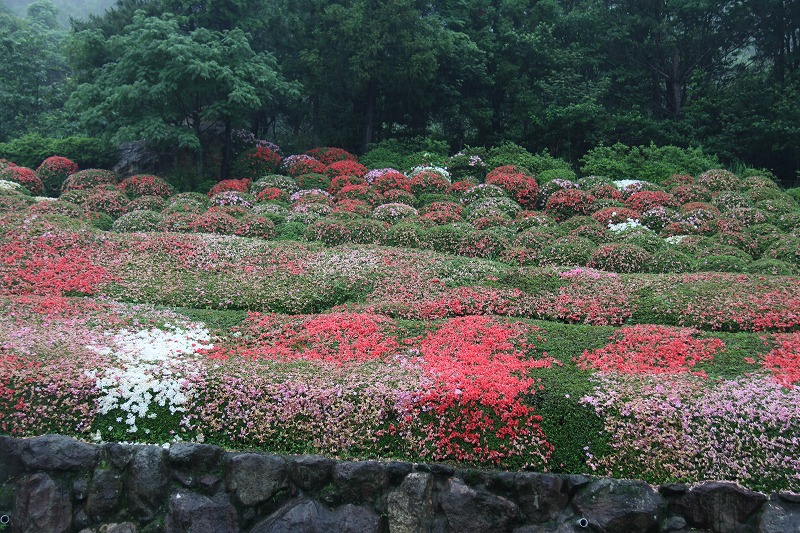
(647, 163)
(31, 149)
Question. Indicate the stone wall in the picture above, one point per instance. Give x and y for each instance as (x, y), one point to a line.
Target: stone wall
(57, 484)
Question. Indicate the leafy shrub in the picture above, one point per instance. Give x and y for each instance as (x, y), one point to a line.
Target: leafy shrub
(361, 192)
(399, 196)
(240, 185)
(606, 192)
(442, 213)
(313, 181)
(747, 216)
(177, 222)
(138, 221)
(285, 183)
(255, 163)
(384, 157)
(649, 163)
(89, 179)
(449, 238)
(53, 171)
(670, 260)
(568, 251)
(291, 231)
(759, 182)
(468, 163)
(773, 267)
(110, 202)
(533, 219)
(519, 186)
(269, 194)
(621, 257)
(774, 208)
(428, 182)
(255, 226)
(719, 263)
(405, 234)
(101, 221)
(690, 193)
(788, 222)
(658, 218)
(276, 213)
(615, 215)
(353, 208)
(88, 152)
(644, 200)
(145, 185)
(761, 194)
(223, 198)
(492, 206)
(509, 153)
(297, 165)
(213, 222)
(719, 180)
(366, 231)
(785, 249)
(25, 177)
(643, 238)
(487, 244)
(344, 168)
(394, 212)
(553, 186)
(147, 203)
(728, 200)
(329, 154)
(568, 203)
(57, 207)
(538, 238)
(565, 174)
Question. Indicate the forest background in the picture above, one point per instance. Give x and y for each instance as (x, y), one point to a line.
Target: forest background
(444, 75)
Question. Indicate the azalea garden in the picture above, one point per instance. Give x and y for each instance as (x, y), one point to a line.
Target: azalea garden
(469, 309)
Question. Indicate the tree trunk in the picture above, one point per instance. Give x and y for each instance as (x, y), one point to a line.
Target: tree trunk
(315, 121)
(369, 115)
(227, 152)
(677, 85)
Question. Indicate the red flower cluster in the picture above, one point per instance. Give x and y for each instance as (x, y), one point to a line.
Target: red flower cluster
(145, 185)
(784, 360)
(650, 349)
(329, 155)
(25, 177)
(644, 200)
(568, 203)
(242, 185)
(255, 163)
(521, 187)
(346, 168)
(54, 170)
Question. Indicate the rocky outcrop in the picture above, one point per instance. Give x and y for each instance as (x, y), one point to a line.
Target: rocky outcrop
(58, 484)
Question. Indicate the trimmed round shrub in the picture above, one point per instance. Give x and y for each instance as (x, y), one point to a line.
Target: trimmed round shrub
(567, 203)
(441, 213)
(353, 208)
(644, 200)
(57, 207)
(481, 192)
(284, 183)
(145, 185)
(428, 182)
(270, 194)
(719, 180)
(75, 197)
(147, 203)
(621, 257)
(346, 168)
(177, 222)
(615, 215)
(5, 163)
(677, 180)
(138, 221)
(670, 260)
(53, 171)
(448, 238)
(314, 181)
(728, 200)
(361, 192)
(399, 196)
(516, 255)
(14, 203)
(719, 263)
(291, 231)
(487, 244)
(759, 195)
(236, 211)
(90, 178)
(236, 198)
(538, 238)
(255, 226)
(715, 248)
(12, 188)
(551, 187)
(276, 213)
(254, 163)
(110, 202)
(568, 251)
(469, 163)
(330, 154)
(581, 220)
(311, 196)
(492, 206)
(631, 187)
(101, 221)
(553, 174)
(238, 185)
(185, 205)
(393, 213)
(759, 182)
(595, 233)
(430, 169)
(785, 249)
(772, 267)
(742, 241)
(587, 183)
(25, 177)
(405, 234)
(214, 222)
(691, 193)
(775, 207)
(605, 192)
(788, 222)
(747, 216)
(498, 220)
(533, 219)
(520, 187)
(297, 165)
(340, 182)
(646, 239)
(657, 219)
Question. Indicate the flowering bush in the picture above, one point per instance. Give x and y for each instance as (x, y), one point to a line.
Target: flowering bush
(747, 216)
(718, 180)
(567, 203)
(427, 182)
(57, 207)
(787, 249)
(728, 200)
(615, 215)
(492, 206)
(137, 221)
(488, 244)
(670, 260)
(691, 193)
(25, 177)
(349, 168)
(567, 251)
(442, 213)
(88, 179)
(651, 349)
(145, 184)
(240, 185)
(213, 222)
(532, 219)
(784, 359)
(393, 213)
(605, 191)
(268, 194)
(147, 203)
(256, 227)
(520, 187)
(644, 200)
(110, 202)
(621, 257)
(53, 171)
(329, 155)
(399, 196)
(285, 183)
(230, 197)
(553, 186)
(255, 163)
(296, 165)
(658, 218)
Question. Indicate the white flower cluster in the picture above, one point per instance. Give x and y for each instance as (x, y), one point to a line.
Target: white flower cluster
(151, 366)
(624, 226)
(675, 239)
(6, 185)
(443, 172)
